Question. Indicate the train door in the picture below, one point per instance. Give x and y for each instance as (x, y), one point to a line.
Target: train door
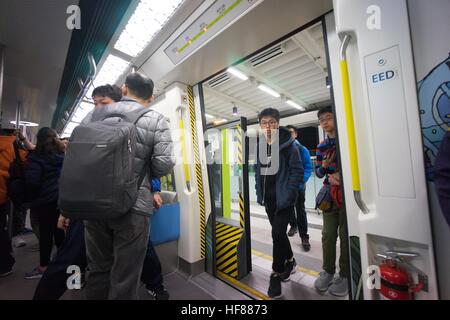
(228, 171)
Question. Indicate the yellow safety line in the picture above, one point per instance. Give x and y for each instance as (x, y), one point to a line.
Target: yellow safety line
(243, 286)
(301, 269)
(353, 152)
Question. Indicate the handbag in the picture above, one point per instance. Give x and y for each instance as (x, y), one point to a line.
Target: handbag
(324, 200)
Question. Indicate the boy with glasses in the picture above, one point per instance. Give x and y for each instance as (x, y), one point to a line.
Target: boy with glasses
(334, 219)
(277, 190)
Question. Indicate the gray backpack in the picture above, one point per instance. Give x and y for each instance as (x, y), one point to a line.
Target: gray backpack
(98, 179)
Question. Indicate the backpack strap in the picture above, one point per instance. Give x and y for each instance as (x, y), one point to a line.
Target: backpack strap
(135, 115)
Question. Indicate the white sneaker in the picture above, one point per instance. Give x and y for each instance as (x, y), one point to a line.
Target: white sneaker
(19, 242)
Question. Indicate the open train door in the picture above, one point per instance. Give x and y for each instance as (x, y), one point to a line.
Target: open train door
(382, 159)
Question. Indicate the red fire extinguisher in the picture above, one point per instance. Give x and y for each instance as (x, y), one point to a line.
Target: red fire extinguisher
(396, 282)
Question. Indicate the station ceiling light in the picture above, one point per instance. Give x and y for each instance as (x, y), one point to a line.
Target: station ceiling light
(209, 116)
(295, 105)
(147, 20)
(235, 110)
(235, 72)
(268, 90)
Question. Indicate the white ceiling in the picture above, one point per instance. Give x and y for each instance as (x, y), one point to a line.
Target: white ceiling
(295, 68)
(37, 41)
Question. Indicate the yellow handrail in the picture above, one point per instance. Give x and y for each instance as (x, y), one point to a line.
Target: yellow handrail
(183, 150)
(348, 107)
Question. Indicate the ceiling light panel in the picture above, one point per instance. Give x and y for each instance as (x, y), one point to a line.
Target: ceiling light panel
(237, 73)
(147, 20)
(82, 111)
(111, 70)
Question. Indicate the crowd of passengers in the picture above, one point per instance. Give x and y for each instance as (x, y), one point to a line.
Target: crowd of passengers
(102, 248)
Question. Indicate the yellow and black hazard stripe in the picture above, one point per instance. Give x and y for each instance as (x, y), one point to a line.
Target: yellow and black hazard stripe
(227, 239)
(240, 162)
(198, 171)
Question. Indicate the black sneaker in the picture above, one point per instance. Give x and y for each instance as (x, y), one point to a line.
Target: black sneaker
(292, 231)
(274, 291)
(289, 268)
(305, 243)
(159, 293)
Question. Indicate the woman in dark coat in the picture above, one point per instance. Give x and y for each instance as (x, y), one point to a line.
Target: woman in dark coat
(44, 166)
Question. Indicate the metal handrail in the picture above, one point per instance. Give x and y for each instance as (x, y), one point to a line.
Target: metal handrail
(353, 151)
(84, 85)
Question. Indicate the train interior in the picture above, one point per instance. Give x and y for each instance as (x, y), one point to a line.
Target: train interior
(216, 65)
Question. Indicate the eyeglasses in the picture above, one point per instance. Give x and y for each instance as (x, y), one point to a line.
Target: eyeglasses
(271, 123)
(325, 119)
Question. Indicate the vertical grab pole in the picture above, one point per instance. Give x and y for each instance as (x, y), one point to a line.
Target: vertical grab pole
(353, 151)
(183, 149)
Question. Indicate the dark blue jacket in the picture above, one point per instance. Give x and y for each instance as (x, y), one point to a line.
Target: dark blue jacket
(442, 176)
(41, 178)
(289, 175)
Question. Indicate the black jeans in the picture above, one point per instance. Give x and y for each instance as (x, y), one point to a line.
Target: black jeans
(6, 259)
(281, 246)
(151, 271)
(301, 221)
(73, 252)
(48, 220)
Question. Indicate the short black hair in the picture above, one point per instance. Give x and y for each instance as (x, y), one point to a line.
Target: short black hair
(269, 112)
(110, 91)
(289, 126)
(324, 110)
(139, 85)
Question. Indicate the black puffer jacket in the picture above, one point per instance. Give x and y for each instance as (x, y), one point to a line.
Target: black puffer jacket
(41, 178)
(154, 146)
(289, 174)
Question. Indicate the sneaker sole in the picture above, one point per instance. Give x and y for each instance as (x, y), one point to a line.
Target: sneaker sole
(33, 277)
(277, 297)
(323, 290)
(292, 272)
(338, 294)
(4, 275)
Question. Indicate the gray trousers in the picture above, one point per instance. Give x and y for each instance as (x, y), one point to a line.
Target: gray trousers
(115, 251)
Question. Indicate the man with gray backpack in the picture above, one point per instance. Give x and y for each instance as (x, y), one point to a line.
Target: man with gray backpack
(105, 182)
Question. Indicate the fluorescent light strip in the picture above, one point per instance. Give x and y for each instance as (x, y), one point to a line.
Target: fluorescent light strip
(69, 128)
(147, 20)
(111, 70)
(268, 90)
(25, 123)
(81, 111)
(237, 73)
(209, 116)
(295, 105)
